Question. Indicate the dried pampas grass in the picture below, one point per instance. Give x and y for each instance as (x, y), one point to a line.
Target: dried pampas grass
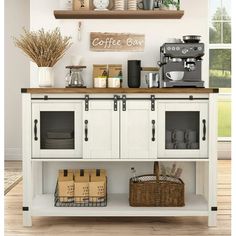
(44, 48)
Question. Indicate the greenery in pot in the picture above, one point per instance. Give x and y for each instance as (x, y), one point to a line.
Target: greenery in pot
(175, 3)
(45, 48)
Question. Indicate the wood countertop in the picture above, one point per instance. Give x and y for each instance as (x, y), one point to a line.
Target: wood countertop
(118, 90)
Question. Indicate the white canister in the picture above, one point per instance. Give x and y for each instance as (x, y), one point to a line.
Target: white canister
(114, 82)
(100, 82)
(46, 76)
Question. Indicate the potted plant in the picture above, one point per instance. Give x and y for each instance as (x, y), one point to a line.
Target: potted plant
(171, 4)
(45, 49)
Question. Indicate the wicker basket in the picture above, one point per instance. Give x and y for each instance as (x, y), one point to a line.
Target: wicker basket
(156, 190)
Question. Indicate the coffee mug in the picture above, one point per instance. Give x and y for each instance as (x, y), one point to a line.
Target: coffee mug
(175, 75)
(178, 135)
(146, 4)
(191, 136)
(114, 82)
(152, 80)
(181, 145)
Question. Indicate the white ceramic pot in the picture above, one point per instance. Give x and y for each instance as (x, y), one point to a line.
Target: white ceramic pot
(46, 76)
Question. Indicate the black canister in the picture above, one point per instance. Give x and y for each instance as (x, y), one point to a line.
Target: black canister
(134, 69)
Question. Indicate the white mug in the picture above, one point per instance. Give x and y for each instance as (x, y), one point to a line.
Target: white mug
(175, 75)
(114, 82)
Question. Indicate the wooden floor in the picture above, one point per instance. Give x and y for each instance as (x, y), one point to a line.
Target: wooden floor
(123, 226)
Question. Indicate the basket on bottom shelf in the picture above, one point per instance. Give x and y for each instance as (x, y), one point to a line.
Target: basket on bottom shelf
(156, 190)
(82, 188)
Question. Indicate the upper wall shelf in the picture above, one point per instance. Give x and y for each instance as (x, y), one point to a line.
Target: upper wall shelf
(156, 14)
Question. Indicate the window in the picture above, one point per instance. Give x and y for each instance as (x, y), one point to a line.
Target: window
(220, 62)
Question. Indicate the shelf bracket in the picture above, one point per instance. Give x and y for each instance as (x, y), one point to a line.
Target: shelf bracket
(123, 103)
(115, 102)
(152, 103)
(86, 102)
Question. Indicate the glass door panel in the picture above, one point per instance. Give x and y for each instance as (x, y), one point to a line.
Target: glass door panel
(57, 130)
(182, 130)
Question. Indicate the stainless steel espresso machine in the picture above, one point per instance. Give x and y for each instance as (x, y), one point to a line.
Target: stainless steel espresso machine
(180, 57)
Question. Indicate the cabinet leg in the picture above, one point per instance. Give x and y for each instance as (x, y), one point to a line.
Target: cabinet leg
(27, 219)
(212, 219)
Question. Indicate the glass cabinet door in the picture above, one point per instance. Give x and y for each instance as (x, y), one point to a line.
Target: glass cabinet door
(183, 129)
(57, 130)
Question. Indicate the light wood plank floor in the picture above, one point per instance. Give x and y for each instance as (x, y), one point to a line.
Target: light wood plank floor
(123, 226)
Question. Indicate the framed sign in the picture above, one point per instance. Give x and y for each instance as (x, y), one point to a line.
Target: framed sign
(117, 42)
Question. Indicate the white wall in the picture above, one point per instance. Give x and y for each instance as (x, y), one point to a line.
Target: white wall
(195, 21)
(16, 67)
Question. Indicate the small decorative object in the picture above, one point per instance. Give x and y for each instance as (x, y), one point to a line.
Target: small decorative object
(170, 4)
(119, 5)
(80, 5)
(45, 49)
(132, 5)
(101, 5)
(79, 30)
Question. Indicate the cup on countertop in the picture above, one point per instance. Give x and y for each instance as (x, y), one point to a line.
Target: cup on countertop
(178, 135)
(100, 82)
(114, 82)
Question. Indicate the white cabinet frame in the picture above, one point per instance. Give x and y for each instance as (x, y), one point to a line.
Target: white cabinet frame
(38, 107)
(200, 106)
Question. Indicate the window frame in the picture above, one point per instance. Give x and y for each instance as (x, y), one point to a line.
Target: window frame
(222, 96)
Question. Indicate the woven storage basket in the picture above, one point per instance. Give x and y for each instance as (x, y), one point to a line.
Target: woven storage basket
(156, 190)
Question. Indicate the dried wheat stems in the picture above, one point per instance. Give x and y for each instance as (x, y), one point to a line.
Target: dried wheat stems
(44, 48)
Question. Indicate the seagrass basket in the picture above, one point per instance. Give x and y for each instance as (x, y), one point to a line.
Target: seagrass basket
(156, 190)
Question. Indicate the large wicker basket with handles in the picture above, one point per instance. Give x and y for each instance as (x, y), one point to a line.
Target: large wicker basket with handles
(156, 190)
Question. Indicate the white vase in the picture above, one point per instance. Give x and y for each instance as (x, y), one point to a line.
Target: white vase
(46, 76)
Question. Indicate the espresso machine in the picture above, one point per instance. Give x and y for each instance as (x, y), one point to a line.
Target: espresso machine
(181, 57)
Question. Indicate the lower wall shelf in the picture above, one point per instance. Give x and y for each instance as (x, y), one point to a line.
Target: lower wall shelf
(118, 205)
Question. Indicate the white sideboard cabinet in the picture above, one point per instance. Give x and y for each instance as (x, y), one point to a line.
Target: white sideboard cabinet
(117, 129)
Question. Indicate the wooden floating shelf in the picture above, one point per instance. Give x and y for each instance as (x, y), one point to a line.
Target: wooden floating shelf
(139, 14)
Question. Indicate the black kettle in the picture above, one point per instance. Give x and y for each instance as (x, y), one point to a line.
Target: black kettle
(134, 70)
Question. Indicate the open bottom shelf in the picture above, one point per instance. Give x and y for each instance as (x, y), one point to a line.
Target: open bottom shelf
(117, 206)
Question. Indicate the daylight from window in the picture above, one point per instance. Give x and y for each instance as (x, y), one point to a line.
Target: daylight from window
(220, 61)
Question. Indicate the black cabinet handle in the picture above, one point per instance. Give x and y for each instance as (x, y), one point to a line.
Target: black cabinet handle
(35, 130)
(153, 130)
(86, 130)
(204, 129)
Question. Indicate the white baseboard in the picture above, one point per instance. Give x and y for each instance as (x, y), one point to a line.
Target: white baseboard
(13, 154)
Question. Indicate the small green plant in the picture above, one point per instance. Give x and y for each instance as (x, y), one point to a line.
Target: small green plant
(176, 3)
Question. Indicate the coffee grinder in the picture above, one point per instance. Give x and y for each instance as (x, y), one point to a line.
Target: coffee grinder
(186, 57)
